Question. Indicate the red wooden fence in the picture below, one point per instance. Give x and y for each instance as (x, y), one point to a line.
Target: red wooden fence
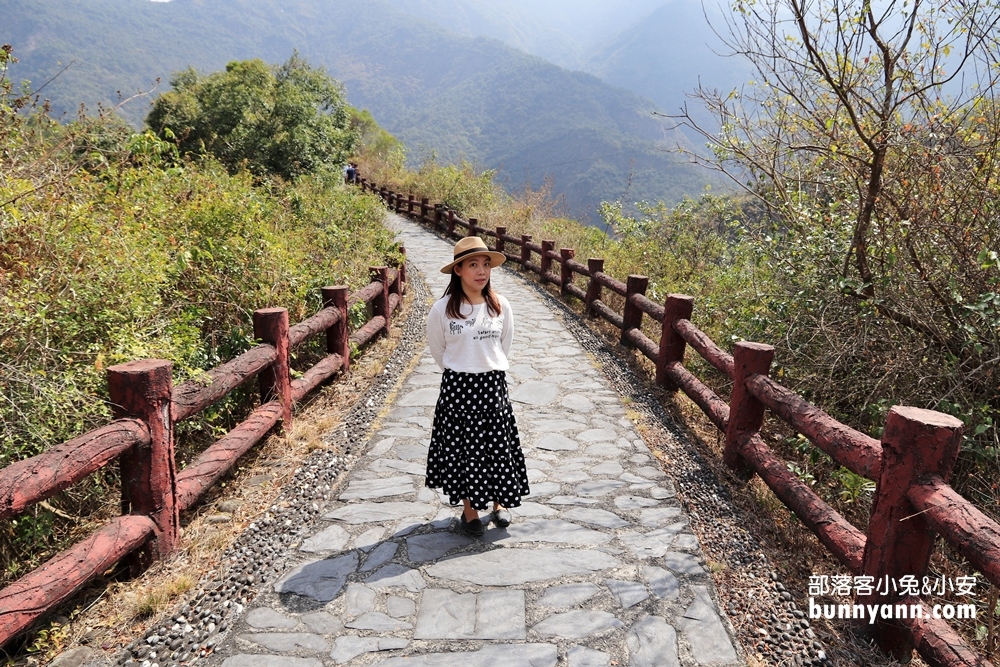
(146, 408)
(911, 464)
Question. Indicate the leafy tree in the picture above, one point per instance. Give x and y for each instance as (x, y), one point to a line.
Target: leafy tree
(872, 137)
(288, 120)
(378, 150)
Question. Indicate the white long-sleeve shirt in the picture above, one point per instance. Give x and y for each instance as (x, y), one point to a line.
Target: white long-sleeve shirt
(477, 343)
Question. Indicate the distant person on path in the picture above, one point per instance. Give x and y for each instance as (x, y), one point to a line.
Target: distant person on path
(351, 173)
(475, 454)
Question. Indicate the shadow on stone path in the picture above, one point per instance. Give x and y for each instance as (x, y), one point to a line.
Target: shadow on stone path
(598, 568)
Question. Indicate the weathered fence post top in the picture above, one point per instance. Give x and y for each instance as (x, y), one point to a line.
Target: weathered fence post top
(142, 390)
(595, 265)
(632, 314)
(143, 379)
(916, 444)
(338, 336)
(380, 304)
(271, 326)
(675, 307)
(746, 413)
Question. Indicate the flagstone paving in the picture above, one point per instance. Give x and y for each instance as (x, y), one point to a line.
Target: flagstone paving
(599, 566)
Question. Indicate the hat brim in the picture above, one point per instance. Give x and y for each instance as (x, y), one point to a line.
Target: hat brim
(496, 259)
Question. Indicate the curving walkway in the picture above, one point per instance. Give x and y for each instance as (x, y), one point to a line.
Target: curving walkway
(599, 567)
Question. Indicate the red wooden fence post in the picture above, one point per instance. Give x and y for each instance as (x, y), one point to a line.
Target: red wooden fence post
(632, 316)
(676, 307)
(423, 210)
(402, 271)
(380, 304)
(438, 214)
(916, 444)
(593, 287)
(451, 223)
(546, 262)
(141, 390)
(746, 413)
(500, 233)
(410, 200)
(338, 336)
(473, 226)
(271, 326)
(565, 273)
(525, 251)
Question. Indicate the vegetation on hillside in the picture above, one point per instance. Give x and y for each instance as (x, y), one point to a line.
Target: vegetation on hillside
(287, 120)
(443, 94)
(114, 247)
(881, 192)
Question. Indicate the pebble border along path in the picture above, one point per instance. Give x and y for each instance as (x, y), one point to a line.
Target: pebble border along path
(598, 568)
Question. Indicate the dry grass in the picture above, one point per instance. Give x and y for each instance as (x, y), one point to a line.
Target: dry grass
(113, 613)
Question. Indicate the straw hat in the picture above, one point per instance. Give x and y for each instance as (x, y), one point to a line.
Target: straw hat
(473, 245)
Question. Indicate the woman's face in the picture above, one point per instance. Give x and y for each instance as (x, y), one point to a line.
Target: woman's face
(474, 272)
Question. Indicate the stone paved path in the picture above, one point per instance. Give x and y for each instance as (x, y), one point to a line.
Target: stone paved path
(598, 568)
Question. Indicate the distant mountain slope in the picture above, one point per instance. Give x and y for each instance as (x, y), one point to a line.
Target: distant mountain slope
(460, 97)
(666, 54)
(658, 49)
(561, 31)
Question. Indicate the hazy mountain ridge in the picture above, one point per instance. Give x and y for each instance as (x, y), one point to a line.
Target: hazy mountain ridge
(460, 97)
(667, 55)
(541, 29)
(657, 49)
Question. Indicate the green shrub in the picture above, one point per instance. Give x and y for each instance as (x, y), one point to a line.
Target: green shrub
(114, 248)
(287, 120)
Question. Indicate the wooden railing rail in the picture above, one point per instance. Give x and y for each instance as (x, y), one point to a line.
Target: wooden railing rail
(146, 407)
(856, 451)
(25, 483)
(837, 534)
(910, 465)
(703, 345)
(972, 533)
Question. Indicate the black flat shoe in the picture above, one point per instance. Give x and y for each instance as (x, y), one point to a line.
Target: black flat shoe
(501, 517)
(473, 528)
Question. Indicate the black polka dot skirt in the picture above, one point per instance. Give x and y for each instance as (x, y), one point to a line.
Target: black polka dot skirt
(475, 452)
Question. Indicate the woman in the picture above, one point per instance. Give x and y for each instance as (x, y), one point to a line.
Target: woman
(475, 455)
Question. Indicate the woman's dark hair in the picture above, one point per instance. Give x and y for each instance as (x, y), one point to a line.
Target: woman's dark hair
(457, 297)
